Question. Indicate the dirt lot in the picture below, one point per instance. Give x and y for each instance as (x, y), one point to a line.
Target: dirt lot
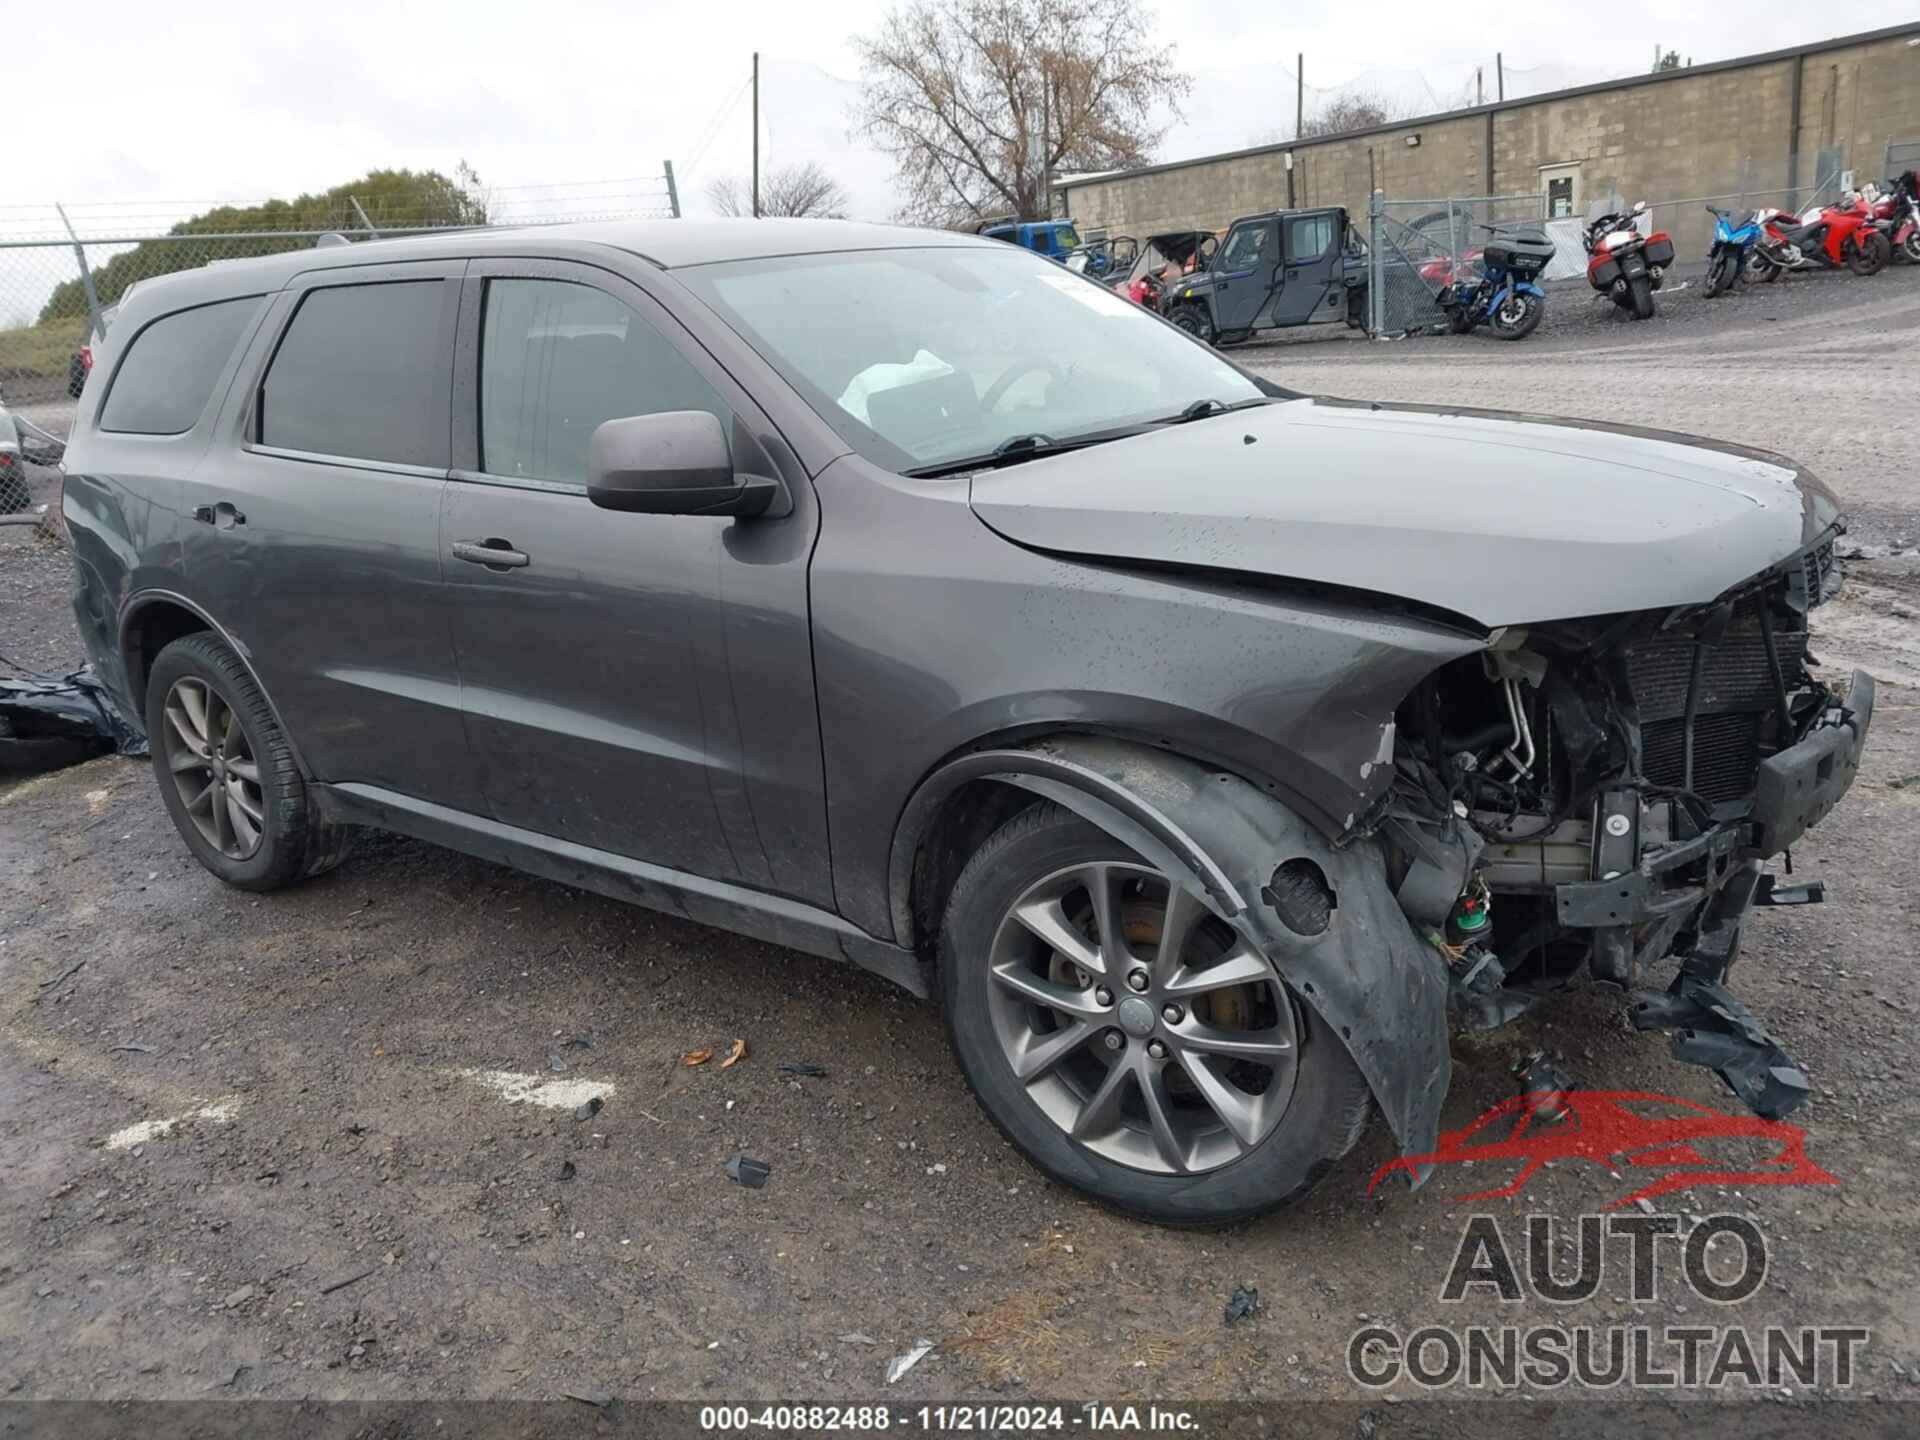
(323, 1056)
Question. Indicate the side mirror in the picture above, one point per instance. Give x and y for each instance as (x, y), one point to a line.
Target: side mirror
(674, 463)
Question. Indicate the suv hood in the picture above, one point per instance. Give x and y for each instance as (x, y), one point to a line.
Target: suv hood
(1505, 519)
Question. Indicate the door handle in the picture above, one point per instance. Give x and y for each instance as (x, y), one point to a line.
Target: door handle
(494, 553)
(222, 516)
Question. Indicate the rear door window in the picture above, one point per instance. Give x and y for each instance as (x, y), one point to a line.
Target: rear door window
(164, 382)
(558, 359)
(361, 373)
(1309, 237)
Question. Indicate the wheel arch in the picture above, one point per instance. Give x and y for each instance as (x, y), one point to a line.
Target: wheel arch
(1381, 989)
(151, 620)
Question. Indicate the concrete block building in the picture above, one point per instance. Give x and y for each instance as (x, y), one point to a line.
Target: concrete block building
(1768, 127)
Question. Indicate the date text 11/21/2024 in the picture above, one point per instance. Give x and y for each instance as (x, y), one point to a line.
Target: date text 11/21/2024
(1092, 1416)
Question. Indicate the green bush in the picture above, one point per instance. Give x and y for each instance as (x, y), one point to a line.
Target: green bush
(393, 199)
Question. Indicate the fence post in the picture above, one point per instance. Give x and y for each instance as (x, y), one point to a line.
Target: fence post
(95, 329)
(673, 191)
(1376, 263)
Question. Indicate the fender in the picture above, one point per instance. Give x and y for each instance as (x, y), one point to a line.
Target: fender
(1527, 287)
(139, 601)
(1380, 989)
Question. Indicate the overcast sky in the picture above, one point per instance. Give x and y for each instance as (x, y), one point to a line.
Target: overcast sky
(176, 104)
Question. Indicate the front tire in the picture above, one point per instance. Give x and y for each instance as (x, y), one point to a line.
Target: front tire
(1761, 270)
(1123, 1036)
(1194, 320)
(227, 773)
(1720, 275)
(1518, 316)
(1910, 248)
(1640, 296)
(1870, 254)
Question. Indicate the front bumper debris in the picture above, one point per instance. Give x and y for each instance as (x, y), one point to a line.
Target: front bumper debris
(1795, 791)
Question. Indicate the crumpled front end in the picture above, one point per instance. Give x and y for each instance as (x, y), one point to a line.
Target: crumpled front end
(1602, 794)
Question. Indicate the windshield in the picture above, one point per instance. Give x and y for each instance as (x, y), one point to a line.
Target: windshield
(929, 356)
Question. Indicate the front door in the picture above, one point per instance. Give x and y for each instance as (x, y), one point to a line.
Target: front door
(639, 684)
(1311, 287)
(316, 541)
(1244, 273)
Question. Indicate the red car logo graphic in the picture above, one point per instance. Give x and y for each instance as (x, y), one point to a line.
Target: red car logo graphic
(1618, 1129)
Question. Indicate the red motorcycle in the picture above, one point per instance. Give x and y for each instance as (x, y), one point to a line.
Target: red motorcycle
(1623, 264)
(1836, 237)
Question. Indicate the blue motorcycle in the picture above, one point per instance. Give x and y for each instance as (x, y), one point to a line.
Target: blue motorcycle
(1732, 246)
(1503, 294)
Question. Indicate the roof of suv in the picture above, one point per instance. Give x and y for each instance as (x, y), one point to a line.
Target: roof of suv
(669, 244)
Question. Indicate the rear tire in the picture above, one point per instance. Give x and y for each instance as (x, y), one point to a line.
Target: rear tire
(277, 836)
(1640, 295)
(1870, 254)
(1317, 1120)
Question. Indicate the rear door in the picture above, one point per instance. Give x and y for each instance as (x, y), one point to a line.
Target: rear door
(640, 684)
(1244, 273)
(314, 530)
(1311, 286)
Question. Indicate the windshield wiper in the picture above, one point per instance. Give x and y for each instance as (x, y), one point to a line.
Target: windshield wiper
(1201, 409)
(1014, 449)
(1021, 444)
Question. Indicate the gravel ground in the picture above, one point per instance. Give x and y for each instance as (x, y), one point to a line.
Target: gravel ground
(321, 1054)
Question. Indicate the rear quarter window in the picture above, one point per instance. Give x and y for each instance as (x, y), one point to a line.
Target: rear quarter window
(165, 379)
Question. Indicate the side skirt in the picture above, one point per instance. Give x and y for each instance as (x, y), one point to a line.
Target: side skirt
(772, 918)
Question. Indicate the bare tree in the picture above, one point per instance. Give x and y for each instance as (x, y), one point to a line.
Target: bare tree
(979, 102)
(790, 190)
(1349, 112)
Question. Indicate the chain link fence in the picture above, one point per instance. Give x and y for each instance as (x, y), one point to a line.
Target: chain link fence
(62, 273)
(1416, 248)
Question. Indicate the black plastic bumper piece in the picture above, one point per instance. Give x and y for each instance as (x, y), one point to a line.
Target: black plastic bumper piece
(1713, 1029)
(1796, 788)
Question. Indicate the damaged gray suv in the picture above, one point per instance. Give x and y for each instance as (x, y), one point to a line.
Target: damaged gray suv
(899, 597)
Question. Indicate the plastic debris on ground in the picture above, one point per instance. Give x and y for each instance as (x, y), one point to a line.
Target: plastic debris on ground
(747, 1171)
(900, 1364)
(49, 721)
(1243, 1304)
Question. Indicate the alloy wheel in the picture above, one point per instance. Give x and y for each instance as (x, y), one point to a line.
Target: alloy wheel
(213, 765)
(1139, 1022)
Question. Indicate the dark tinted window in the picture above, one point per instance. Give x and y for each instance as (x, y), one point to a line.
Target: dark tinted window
(362, 372)
(167, 376)
(556, 360)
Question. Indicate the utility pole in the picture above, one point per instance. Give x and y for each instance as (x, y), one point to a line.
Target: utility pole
(756, 134)
(673, 191)
(1500, 75)
(1479, 85)
(1046, 149)
(1299, 94)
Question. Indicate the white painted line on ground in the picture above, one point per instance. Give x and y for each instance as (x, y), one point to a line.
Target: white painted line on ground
(542, 1090)
(219, 1111)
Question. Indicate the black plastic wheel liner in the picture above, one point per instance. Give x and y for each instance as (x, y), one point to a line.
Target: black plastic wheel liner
(1379, 987)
